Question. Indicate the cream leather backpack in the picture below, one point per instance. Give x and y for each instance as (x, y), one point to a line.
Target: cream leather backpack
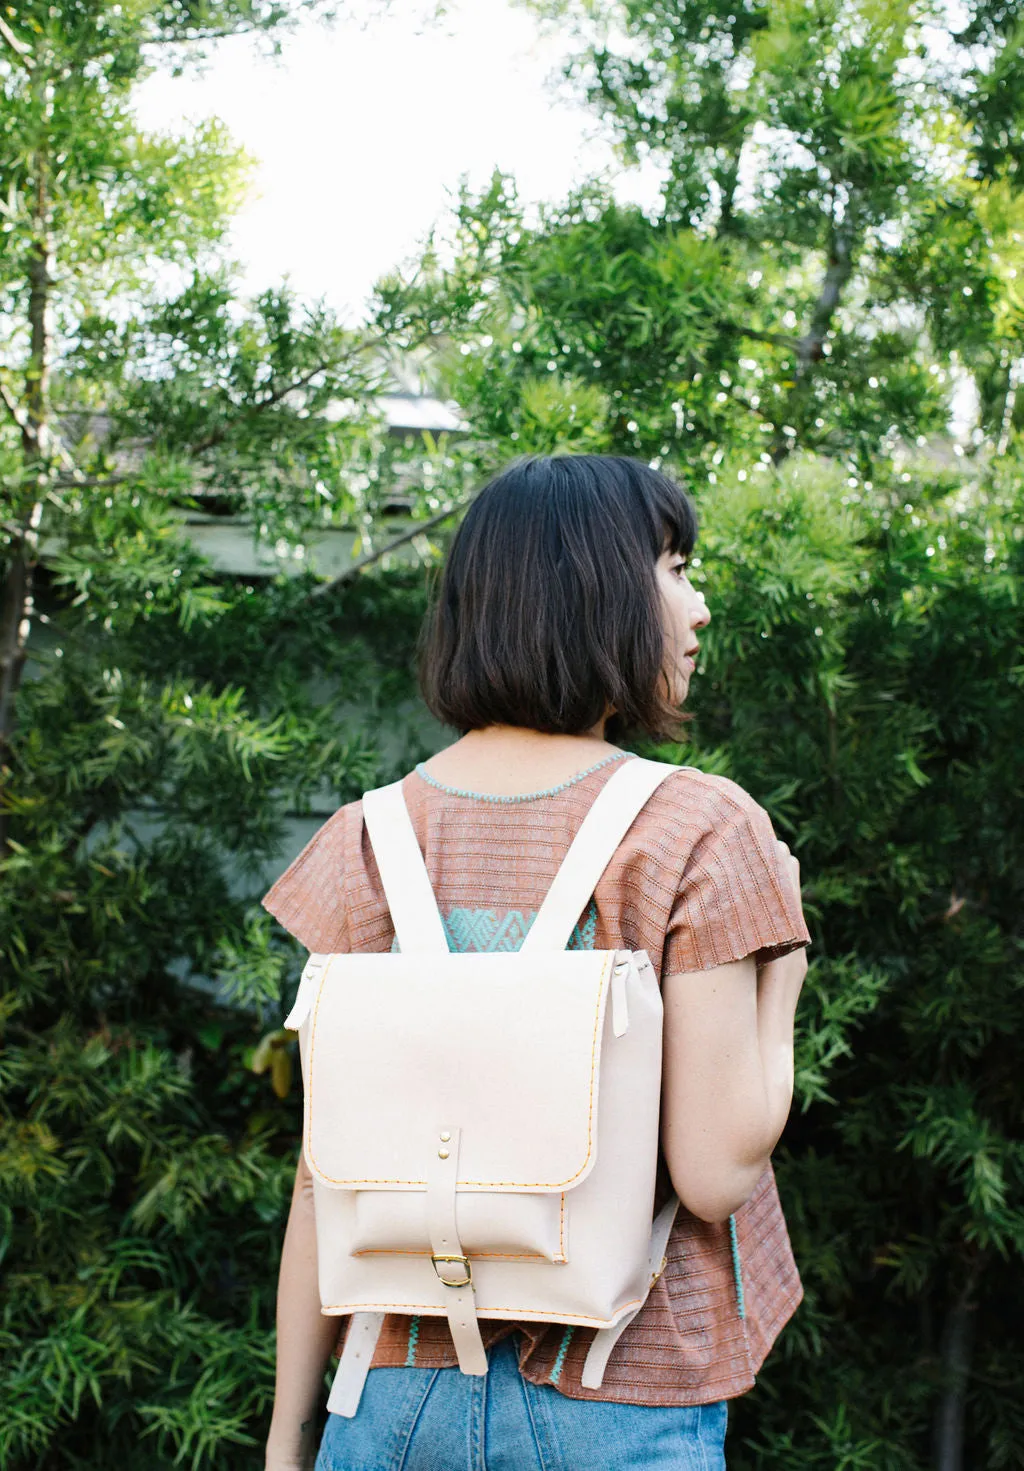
(482, 1129)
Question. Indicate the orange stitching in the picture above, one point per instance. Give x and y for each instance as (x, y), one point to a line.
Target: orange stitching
(536, 1315)
(308, 1109)
(497, 1256)
(469, 1184)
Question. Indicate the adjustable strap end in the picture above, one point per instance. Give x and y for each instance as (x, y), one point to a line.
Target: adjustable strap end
(356, 1358)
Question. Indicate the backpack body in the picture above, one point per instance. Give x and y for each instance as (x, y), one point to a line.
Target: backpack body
(482, 1129)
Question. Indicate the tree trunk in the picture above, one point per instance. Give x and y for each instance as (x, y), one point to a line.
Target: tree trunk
(956, 1349)
(809, 349)
(728, 180)
(16, 607)
(33, 418)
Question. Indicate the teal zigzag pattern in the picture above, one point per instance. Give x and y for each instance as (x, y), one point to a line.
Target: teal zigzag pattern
(482, 931)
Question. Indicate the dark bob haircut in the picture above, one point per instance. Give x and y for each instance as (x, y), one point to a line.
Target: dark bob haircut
(548, 611)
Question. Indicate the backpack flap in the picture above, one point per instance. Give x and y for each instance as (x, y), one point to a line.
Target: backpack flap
(503, 1047)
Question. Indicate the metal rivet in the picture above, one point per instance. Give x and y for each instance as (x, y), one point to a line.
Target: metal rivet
(445, 1137)
(443, 1153)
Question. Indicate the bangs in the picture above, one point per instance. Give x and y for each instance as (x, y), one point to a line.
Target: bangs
(674, 521)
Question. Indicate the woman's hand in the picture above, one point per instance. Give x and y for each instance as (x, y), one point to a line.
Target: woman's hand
(291, 1452)
(790, 867)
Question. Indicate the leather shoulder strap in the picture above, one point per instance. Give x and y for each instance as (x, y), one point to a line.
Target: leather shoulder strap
(615, 810)
(403, 873)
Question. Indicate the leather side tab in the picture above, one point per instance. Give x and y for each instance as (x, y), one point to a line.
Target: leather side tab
(449, 1261)
(311, 973)
(620, 1010)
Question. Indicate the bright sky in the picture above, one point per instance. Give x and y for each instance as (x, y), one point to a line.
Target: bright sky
(363, 130)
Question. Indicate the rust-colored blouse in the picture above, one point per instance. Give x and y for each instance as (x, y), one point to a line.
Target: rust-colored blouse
(696, 883)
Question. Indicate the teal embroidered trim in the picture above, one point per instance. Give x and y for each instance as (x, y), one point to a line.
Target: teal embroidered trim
(480, 931)
(519, 796)
(563, 1349)
(414, 1335)
(737, 1272)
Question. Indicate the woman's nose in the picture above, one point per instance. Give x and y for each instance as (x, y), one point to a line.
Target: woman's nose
(700, 617)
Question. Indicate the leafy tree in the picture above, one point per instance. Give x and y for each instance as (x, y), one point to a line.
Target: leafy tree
(831, 273)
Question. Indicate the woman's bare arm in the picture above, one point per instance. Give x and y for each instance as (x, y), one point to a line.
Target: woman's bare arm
(305, 1338)
(728, 1077)
(727, 1083)
(779, 984)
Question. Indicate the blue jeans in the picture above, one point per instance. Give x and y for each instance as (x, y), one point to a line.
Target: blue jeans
(444, 1420)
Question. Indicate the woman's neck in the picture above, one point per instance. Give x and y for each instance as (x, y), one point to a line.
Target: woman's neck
(506, 760)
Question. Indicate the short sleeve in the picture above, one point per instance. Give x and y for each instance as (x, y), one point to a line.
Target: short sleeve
(309, 897)
(735, 899)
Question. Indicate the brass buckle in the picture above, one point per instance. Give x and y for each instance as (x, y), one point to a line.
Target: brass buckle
(466, 1281)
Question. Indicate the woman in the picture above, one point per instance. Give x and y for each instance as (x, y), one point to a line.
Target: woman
(565, 612)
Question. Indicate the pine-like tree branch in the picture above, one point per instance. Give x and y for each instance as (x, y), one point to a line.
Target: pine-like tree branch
(72, 474)
(223, 33)
(391, 546)
(217, 436)
(21, 49)
(751, 408)
(776, 339)
(15, 410)
(74, 478)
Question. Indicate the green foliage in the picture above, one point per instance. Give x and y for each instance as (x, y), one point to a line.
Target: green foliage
(146, 1151)
(862, 674)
